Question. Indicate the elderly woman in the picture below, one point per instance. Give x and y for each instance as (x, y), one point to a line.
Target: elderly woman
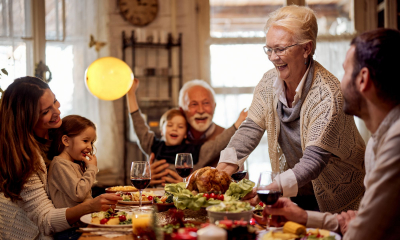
(28, 109)
(311, 142)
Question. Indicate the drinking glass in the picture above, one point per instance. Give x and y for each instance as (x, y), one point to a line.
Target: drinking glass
(239, 175)
(141, 224)
(184, 165)
(140, 177)
(267, 195)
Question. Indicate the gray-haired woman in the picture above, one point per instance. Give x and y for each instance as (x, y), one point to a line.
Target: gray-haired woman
(314, 145)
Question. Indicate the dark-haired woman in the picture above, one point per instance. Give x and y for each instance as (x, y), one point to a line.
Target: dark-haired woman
(28, 109)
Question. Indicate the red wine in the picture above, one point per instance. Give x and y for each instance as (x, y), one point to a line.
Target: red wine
(237, 176)
(184, 171)
(268, 197)
(140, 183)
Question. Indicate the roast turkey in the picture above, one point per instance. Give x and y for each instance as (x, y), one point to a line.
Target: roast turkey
(208, 180)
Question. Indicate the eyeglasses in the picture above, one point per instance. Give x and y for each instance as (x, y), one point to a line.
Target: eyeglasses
(279, 51)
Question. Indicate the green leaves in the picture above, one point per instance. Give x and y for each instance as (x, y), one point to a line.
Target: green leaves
(184, 198)
(240, 189)
(4, 71)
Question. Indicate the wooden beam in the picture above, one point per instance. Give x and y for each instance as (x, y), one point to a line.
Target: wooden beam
(39, 31)
(390, 14)
(296, 2)
(203, 28)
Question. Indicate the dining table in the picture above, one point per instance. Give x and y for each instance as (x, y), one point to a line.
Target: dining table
(93, 232)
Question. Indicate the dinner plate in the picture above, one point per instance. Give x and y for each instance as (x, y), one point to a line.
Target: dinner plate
(133, 202)
(262, 233)
(88, 217)
(109, 190)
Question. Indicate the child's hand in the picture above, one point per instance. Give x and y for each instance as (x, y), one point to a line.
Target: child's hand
(135, 86)
(242, 117)
(92, 160)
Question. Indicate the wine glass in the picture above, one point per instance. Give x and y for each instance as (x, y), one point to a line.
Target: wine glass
(267, 195)
(140, 177)
(184, 165)
(239, 175)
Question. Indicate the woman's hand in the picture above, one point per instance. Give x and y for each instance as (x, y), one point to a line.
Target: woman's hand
(104, 202)
(100, 203)
(285, 210)
(252, 197)
(242, 117)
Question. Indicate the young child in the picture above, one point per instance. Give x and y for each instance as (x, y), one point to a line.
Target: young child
(173, 126)
(69, 182)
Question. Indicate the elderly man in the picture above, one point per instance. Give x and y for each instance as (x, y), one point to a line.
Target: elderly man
(370, 88)
(196, 100)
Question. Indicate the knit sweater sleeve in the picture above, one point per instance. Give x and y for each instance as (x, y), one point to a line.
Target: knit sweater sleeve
(65, 180)
(211, 148)
(39, 208)
(143, 132)
(311, 164)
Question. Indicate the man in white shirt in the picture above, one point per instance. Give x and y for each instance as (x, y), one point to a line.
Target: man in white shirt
(370, 88)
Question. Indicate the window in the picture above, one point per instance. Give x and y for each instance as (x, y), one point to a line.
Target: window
(15, 40)
(238, 61)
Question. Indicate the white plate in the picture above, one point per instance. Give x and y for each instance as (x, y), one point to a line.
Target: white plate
(88, 218)
(133, 202)
(337, 236)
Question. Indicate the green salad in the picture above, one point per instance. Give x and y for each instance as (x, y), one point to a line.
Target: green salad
(184, 198)
(233, 207)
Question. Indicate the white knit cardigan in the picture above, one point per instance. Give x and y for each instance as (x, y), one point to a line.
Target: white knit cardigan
(323, 124)
(33, 217)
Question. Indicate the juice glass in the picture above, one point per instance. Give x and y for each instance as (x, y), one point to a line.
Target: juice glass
(141, 224)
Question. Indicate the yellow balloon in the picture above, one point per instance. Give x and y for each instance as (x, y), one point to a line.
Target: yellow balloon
(109, 78)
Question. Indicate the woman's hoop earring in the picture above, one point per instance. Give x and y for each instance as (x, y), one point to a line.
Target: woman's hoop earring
(305, 61)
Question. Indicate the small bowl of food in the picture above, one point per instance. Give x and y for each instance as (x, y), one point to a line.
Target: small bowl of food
(235, 210)
(257, 215)
(163, 203)
(121, 189)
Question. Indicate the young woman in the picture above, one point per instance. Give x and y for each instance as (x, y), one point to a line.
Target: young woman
(28, 109)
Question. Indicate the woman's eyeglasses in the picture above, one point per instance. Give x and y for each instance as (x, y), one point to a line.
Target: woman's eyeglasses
(279, 51)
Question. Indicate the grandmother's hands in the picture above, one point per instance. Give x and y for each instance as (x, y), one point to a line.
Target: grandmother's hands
(344, 219)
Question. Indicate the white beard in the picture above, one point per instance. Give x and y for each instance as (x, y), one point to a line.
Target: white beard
(200, 127)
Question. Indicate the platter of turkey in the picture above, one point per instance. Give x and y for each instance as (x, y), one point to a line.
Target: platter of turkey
(206, 187)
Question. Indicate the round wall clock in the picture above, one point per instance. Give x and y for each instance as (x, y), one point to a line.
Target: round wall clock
(138, 12)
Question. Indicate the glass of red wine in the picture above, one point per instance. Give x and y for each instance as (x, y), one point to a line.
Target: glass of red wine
(239, 175)
(267, 195)
(140, 177)
(184, 165)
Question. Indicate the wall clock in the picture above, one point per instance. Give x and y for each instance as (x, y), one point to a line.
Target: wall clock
(138, 12)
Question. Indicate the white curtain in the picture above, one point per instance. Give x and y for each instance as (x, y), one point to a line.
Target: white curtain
(85, 18)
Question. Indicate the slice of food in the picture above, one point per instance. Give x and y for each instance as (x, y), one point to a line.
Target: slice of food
(113, 221)
(295, 228)
(95, 220)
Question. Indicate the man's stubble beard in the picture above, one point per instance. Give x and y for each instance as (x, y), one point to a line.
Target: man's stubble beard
(353, 101)
(200, 127)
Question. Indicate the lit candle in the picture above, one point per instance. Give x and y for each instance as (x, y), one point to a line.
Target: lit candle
(211, 232)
